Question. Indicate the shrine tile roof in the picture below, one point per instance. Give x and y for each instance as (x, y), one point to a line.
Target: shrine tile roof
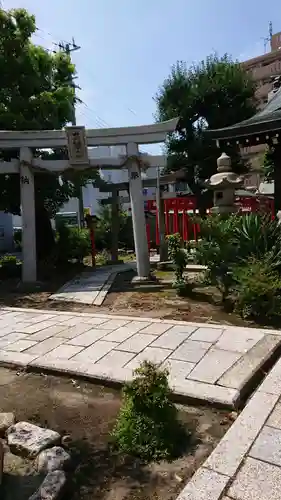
(265, 121)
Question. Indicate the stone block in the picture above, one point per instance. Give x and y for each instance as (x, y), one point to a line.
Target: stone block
(213, 365)
(204, 485)
(207, 334)
(249, 364)
(64, 351)
(267, 446)
(87, 338)
(74, 331)
(53, 459)
(116, 359)
(213, 394)
(27, 440)
(173, 337)
(52, 487)
(20, 345)
(48, 332)
(113, 324)
(178, 369)
(6, 420)
(94, 352)
(42, 348)
(275, 417)
(156, 328)
(256, 480)
(191, 351)
(272, 382)
(136, 343)
(156, 355)
(239, 339)
(37, 327)
(231, 450)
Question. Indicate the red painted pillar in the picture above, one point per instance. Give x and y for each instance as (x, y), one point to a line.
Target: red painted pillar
(185, 226)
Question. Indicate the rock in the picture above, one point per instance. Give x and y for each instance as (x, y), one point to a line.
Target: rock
(52, 486)
(1, 461)
(55, 458)
(6, 420)
(66, 440)
(28, 440)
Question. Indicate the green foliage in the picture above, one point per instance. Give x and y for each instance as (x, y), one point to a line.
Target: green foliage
(36, 93)
(217, 250)
(215, 93)
(103, 229)
(178, 254)
(10, 267)
(257, 289)
(72, 244)
(147, 425)
(268, 164)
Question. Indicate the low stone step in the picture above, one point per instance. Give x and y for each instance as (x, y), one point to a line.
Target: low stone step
(238, 376)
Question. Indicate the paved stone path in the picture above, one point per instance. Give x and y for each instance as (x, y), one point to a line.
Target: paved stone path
(91, 287)
(206, 362)
(246, 464)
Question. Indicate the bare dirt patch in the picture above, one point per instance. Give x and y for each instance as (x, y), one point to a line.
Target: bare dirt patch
(155, 301)
(87, 413)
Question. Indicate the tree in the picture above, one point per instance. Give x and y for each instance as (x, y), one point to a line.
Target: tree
(268, 164)
(215, 93)
(36, 93)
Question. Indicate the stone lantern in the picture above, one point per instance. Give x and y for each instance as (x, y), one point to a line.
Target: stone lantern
(224, 184)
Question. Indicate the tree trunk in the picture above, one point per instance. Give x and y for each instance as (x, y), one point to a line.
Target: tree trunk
(45, 241)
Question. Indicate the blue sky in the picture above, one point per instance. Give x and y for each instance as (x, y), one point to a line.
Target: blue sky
(128, 46)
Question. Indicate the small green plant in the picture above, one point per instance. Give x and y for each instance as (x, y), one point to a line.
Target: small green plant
(9, 267)
(103, 258)
(147, 425)
(72, 244)
(178, 254)
(257, 290)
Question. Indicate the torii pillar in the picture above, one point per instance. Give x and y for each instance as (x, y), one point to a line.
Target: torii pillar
(138, 216)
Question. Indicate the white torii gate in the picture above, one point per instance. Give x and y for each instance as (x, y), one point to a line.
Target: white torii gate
(131, 137)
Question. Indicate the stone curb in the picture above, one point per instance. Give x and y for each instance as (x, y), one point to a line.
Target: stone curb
(212, 479)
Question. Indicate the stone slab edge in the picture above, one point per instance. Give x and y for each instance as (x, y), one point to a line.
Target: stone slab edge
(189, 392)
(129, 318)
(239, 375)
(226, 459)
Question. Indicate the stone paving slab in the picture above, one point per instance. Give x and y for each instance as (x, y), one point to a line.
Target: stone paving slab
(246, 464)
(92, 287)
(107, 347)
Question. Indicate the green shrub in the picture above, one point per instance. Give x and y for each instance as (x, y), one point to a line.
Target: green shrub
(147, 425)
(257, 289)
(72, 244)
(18, 239)
(179, 256)
(10, 267)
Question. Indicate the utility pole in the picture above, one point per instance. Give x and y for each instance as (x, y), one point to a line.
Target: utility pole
(68, 48)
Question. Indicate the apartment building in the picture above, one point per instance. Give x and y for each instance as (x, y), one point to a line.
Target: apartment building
(264, 69)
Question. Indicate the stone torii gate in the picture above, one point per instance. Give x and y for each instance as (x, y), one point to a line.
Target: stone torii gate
(77, 139)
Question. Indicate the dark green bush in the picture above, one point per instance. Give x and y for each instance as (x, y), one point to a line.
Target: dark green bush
(72, 244)
(179, 256)
(10, 267)
(18, 239)
(147, 425)
(257, 289)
